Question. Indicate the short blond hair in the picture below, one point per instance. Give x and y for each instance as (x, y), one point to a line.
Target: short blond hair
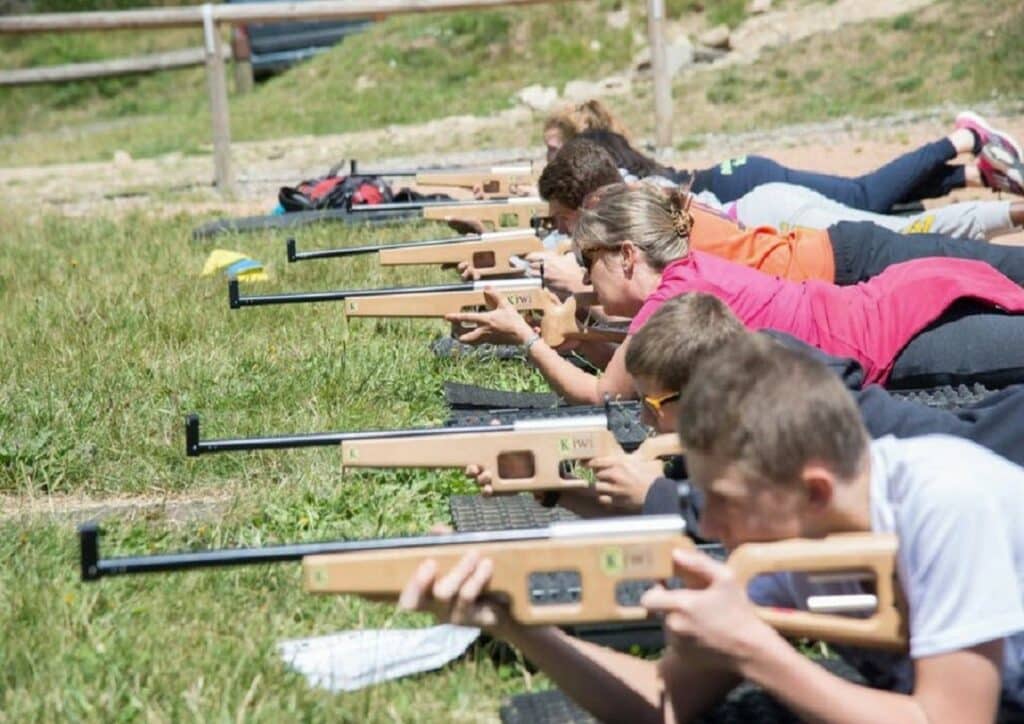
(591, 115)
(684, 331)
(770, 411)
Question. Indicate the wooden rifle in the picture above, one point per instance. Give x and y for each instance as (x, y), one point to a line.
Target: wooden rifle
(577, 572)
(490, 253)
(530, 454)
(516, 212)
(498, 181)
(528, 295)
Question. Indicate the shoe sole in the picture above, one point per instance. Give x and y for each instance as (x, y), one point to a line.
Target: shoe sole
(972, 117)
(1006, 177)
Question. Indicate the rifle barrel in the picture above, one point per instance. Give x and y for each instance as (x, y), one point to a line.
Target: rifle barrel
(194, 446)
(94, 567)
(295, 255)
(236, 300)
(416, 205)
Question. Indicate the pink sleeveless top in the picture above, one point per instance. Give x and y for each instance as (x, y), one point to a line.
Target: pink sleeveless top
(870, 322)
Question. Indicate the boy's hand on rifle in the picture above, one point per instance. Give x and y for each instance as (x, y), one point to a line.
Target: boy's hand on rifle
(711, 620)
(502, 322)
(468, 272)
(623, 482)
(457, 596)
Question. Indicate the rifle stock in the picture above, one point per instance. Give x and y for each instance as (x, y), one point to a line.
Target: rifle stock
(499, 181)
(852, 554)
(545, 446)
(525, 455)
(520, 212)
(575, 580)
(527, 296)
(489, 256)
(575, 572)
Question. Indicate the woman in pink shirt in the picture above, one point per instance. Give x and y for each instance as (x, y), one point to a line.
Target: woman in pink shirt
(920, 323)
(872, 322)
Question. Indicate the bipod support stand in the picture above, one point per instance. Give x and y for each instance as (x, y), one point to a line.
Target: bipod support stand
(192, 435)
(89, 543)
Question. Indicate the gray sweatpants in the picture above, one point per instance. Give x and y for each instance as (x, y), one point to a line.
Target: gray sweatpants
(785, 206)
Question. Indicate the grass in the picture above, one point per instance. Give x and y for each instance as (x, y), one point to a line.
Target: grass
(109, 338)
(963, 51)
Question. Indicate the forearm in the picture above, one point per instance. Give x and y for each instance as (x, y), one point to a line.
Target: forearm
(816, 695)
(597, 353)
(610, 685)
(571, 383)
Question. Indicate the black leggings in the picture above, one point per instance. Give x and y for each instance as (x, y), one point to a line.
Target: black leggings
(969, 343)
(863, 250)
(920, 174)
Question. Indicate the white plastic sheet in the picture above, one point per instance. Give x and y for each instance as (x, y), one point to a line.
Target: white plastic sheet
(355, 659)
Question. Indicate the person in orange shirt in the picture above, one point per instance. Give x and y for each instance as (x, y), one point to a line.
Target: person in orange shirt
(844, 253)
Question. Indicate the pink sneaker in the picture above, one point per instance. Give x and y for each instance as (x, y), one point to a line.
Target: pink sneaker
(987, 133)
(1000, 170)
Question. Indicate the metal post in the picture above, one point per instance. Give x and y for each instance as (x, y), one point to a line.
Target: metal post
(217, 83)
(662, 81)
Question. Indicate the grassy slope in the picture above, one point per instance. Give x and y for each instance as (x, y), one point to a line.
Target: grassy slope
(109, 338)
(967, 52)
(423, 67)
(431, 66)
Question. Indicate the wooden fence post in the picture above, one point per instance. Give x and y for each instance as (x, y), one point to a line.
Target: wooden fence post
(241, 59)
(218, 86)
(662, 81)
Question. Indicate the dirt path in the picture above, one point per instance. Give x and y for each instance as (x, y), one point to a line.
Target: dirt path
(76, 509)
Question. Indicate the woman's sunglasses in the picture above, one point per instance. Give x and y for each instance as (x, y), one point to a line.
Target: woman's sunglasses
(585, 258)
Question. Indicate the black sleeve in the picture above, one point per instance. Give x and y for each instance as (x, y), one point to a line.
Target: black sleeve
(996, 422)
(849, 370)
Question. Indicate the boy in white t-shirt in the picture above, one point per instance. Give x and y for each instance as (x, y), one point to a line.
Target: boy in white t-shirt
(776, 445)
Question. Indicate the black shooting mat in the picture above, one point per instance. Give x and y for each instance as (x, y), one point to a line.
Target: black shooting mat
(746, 704)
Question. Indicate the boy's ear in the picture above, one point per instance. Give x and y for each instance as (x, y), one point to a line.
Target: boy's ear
(820, 486)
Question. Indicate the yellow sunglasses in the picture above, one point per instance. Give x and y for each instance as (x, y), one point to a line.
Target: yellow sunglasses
(655, 403)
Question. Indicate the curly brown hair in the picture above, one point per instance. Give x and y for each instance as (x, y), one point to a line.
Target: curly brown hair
(580, 167)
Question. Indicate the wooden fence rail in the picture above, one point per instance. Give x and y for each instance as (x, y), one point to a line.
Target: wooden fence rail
(170, 60)
(210, 16)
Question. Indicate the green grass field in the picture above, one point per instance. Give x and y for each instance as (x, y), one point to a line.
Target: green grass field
(109, 338)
